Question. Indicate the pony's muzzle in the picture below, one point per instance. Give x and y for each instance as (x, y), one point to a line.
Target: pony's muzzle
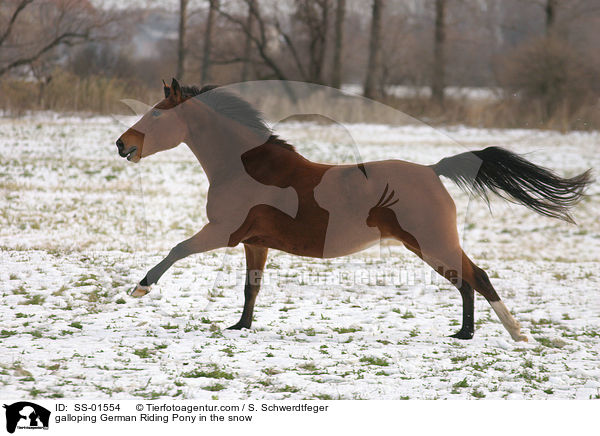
(125, 153)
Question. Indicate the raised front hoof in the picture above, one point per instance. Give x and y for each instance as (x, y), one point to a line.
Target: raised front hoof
(462, 334)
(139, 291)
(240, 325)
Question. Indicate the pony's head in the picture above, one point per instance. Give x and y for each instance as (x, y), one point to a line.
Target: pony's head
(161, 128)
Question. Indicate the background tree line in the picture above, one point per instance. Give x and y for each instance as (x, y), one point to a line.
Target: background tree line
(534, 62)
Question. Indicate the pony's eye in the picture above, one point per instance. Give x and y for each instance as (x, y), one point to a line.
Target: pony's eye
(155, 113)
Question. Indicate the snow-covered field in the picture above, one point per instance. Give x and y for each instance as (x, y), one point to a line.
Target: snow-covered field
(79, 226)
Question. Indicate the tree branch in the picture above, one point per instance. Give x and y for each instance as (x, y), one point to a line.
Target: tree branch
(292, 47)
(64, 38)
(15, 14)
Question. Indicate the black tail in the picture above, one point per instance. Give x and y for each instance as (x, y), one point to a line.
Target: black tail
(515, 179)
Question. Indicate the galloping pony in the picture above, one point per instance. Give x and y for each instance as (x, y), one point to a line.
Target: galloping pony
(264, 194)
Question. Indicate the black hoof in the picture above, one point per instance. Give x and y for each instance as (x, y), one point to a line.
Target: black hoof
(462, 334)
(238, 326)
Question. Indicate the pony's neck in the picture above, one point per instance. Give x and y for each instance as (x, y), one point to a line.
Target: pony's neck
(218, 142)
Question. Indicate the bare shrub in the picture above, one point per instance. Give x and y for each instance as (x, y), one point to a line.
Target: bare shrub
(67, 92)
(549, 77)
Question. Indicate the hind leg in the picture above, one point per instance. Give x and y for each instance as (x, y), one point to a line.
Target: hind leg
(466, 276)
(467, 294)
(471, 276)
(484, 287)
(468, 317)
(255, 263)
(466, 290)
(438, 245)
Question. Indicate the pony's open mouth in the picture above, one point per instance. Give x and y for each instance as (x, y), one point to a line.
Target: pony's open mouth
(130, 153)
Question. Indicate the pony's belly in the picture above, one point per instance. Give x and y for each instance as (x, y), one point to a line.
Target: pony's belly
(353, 241)
(313, 247)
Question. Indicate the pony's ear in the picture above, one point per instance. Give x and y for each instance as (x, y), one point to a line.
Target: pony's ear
(166, 89)
(175, 91)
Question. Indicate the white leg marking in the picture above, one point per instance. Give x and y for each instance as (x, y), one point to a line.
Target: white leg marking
(508, 321)
(139, 290)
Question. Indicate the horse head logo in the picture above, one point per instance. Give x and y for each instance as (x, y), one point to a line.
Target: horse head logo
(24, 414)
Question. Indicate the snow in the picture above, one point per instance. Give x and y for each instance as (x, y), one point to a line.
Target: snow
(79, 226)
(404, 91)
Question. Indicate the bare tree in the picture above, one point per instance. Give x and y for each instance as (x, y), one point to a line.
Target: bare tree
(210, 22)
(304, 35)
(438, 76)
(550, 10)
(248, 41)
(36, 27)
(181, 39)
(260, 40)
(313, 15)
(371, 90)
(338, 44)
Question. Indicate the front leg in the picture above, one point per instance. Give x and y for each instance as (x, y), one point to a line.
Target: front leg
(255, 264)
(209, 238)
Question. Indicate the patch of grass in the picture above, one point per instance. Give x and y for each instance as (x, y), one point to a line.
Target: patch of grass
(310, 331)
(228, 351)
(477, 394)
(214, 388)
(7, 333)
(168, 326)
(288, 388)
(60, 291)
(214, 373)
(344, 330)
(153, 395)
(479, 367)
(34, 299)
(461, 384)
(20, 290)
(310, 366)
(144, 353)
(36, 333)
(121, 301)
(372, 360)
(76, 324)
(35, 392)
(404, 315)
(551, 343)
